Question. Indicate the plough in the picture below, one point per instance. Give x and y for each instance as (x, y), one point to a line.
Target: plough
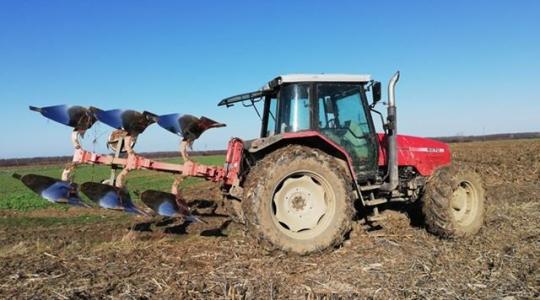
(128, 125)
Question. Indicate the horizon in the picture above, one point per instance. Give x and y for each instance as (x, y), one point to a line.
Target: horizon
(466, 68)
(532, 135)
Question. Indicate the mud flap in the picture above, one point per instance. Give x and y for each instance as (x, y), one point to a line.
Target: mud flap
(110, 197)
(52, 189)
(167, 205)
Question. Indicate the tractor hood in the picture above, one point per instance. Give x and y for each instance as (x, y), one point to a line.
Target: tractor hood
(426, 155)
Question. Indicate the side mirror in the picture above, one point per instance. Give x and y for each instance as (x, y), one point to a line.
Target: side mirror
(376, 90)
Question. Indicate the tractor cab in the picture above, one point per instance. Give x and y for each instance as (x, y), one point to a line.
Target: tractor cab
(335, 105)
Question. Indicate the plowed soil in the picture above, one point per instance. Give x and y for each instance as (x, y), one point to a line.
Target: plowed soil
(106, 255)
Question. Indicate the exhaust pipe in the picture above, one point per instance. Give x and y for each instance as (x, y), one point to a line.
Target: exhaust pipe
(391, 138)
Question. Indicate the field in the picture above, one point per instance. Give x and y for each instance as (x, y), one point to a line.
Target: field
(51, 252)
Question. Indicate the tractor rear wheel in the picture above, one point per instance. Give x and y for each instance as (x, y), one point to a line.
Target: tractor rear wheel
(453, 202)
(298, 199)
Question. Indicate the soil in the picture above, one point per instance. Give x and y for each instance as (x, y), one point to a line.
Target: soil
(133, 258)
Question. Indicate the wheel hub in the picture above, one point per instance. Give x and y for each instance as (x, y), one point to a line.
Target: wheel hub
(300, 203)
(460, 198)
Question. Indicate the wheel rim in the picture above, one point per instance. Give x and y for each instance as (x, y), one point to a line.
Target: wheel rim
(465, 203)
(303, 203)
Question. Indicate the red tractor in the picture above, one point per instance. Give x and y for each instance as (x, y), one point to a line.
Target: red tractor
(318, 162)
(318, 154)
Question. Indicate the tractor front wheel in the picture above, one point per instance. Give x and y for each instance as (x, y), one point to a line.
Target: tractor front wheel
(453, 202)
(298, 199)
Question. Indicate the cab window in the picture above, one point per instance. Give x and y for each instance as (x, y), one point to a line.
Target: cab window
(343, 118)
(294, 108)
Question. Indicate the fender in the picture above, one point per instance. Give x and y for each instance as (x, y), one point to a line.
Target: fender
(309, 138)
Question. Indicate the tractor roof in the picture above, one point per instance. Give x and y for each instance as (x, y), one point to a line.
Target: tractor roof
(290, 78)
(319, 78)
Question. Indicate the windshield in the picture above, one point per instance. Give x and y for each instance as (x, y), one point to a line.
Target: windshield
(293, 108)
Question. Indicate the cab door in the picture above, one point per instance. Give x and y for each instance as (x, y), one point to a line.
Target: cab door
(343, 116)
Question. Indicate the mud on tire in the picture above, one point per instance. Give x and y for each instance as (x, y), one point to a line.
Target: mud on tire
(283, 205)
(453, 202)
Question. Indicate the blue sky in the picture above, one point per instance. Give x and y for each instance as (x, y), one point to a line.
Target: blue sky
(468, 67)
